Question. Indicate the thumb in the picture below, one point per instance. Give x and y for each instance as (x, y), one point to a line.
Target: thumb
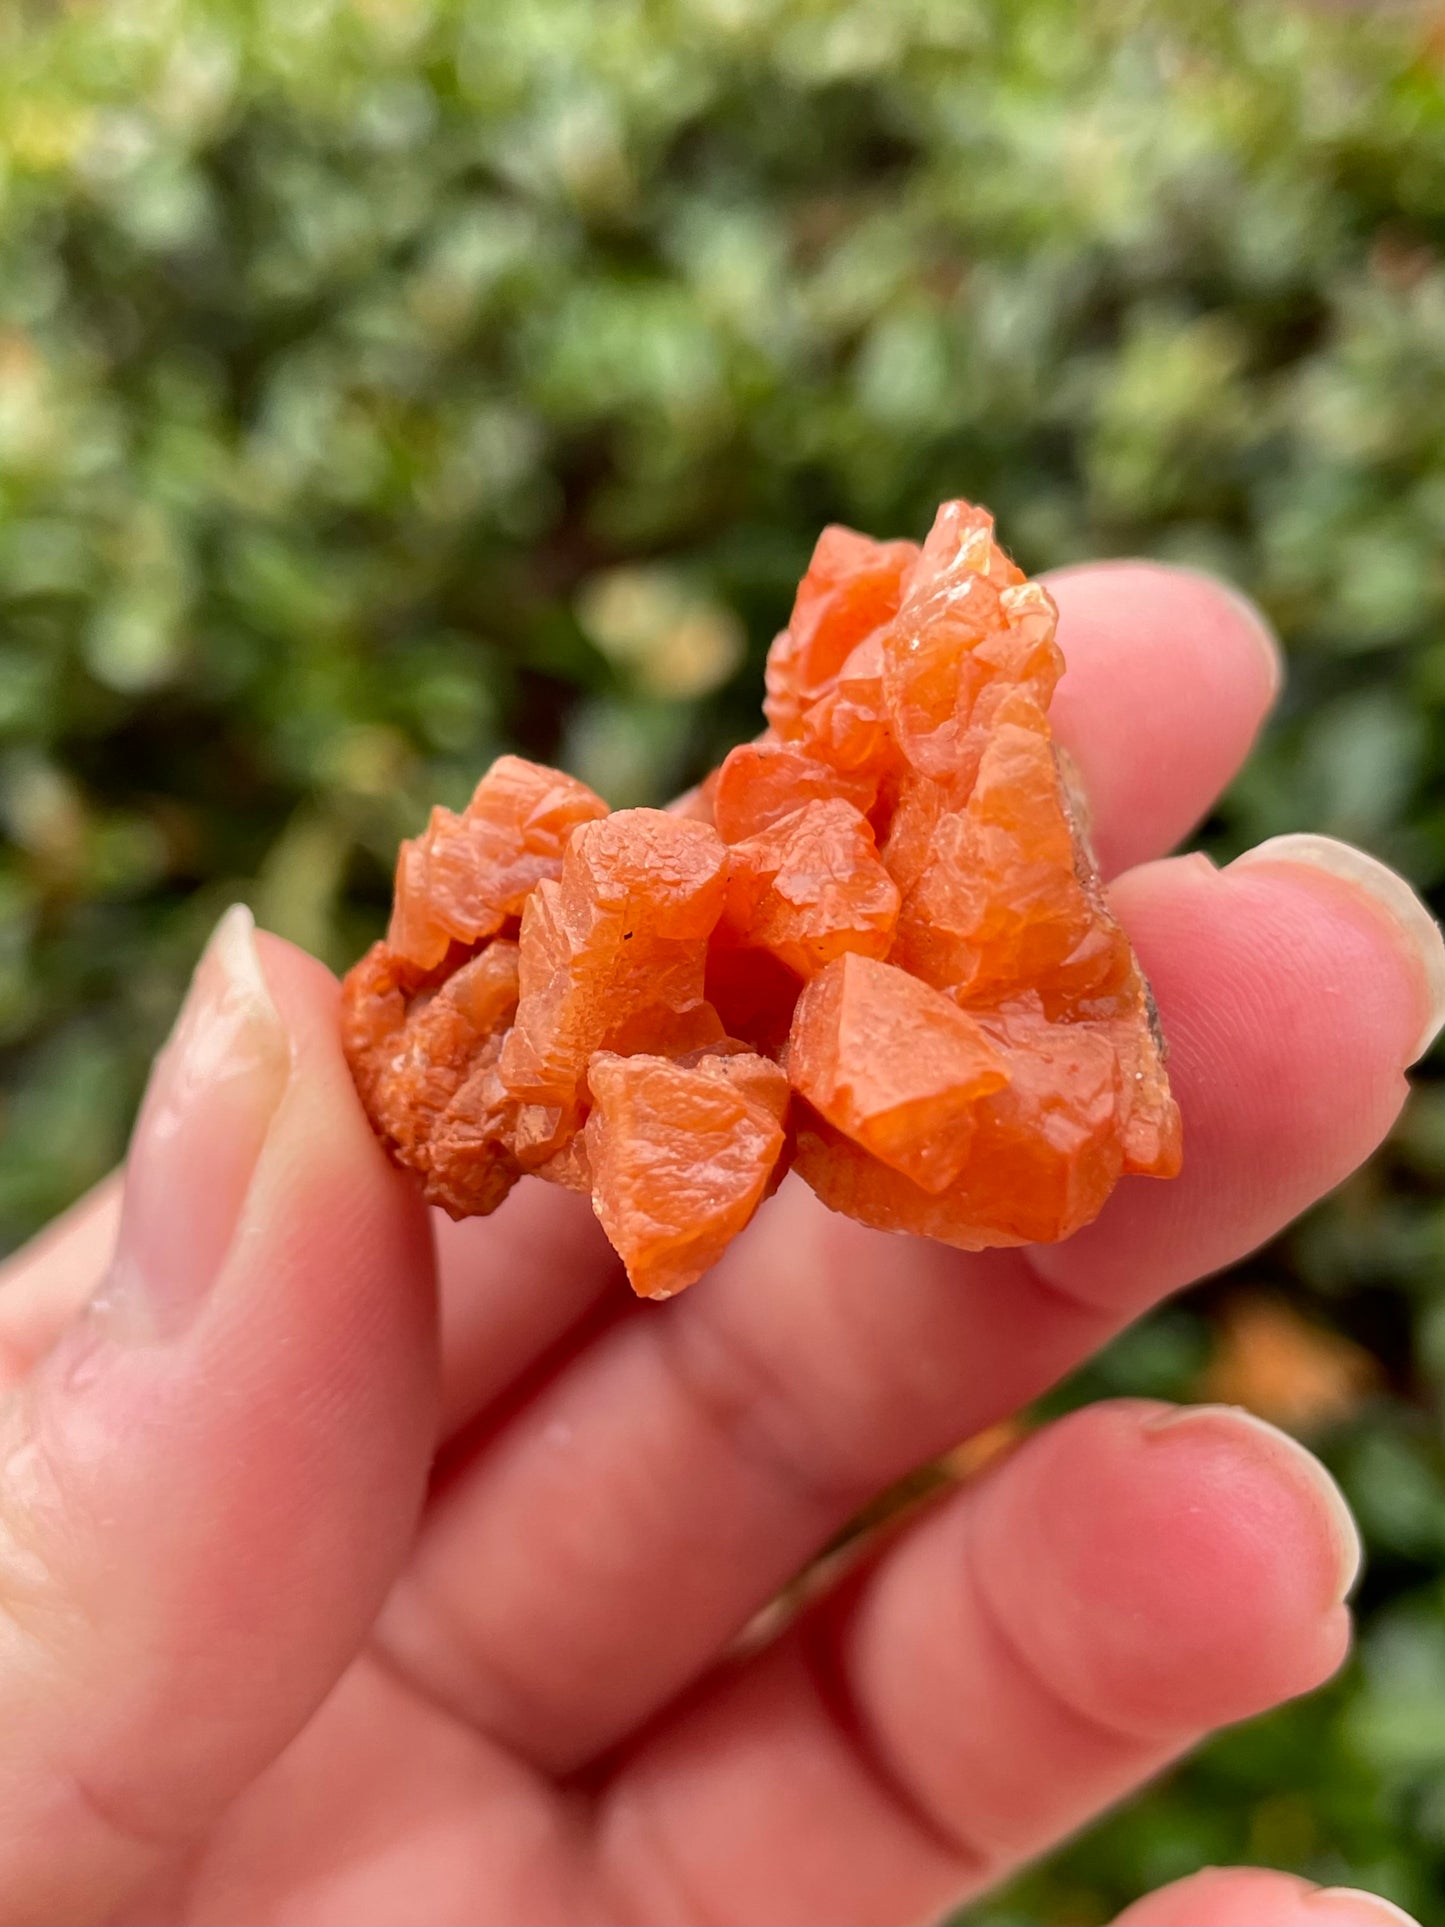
(208, 1483)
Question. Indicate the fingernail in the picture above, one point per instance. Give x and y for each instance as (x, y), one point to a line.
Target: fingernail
(1364, 1910)
(1260, 630)
(1344, 1534)
(1416, 929)
(209, 1104)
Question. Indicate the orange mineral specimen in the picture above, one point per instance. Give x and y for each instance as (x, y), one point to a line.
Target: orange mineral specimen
(872, 946)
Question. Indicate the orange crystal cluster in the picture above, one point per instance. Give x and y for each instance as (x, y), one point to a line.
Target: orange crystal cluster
(873, 946)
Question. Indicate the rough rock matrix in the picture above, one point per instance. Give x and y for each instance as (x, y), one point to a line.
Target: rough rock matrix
(872, 947)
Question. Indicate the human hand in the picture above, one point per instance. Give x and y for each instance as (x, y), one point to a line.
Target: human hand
(331, 1594)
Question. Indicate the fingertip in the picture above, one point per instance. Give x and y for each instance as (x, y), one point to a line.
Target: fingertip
(332, 1136)
(1360, 885)
(1289, 1012)
(330, 1201)
(1353, 1907)
(1249, 1896)
(1206, 1563)
(1306, 965)
(1221, 629)
(1257, 625)
(301, 984)
(1240, 1433)
(266, 1240)
(1170, 675)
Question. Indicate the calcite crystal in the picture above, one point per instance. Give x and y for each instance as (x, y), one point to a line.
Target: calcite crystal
(873, 946)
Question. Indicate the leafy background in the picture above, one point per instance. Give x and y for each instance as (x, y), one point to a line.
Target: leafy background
(385, 383)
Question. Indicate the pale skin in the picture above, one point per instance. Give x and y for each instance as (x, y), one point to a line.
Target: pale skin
(360, 1569)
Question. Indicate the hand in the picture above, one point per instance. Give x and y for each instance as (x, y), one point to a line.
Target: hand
(270, 1652)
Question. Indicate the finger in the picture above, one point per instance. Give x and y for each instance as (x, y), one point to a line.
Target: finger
(211, 1479)
(1170, 675)
(1048, 1638)
(507, 1288)
(511, 1286)
(44, 1285)
(1246, 1896)
(1311, 1081)
(616, 1533)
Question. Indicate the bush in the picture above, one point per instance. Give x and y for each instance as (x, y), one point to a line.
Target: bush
(384, 384)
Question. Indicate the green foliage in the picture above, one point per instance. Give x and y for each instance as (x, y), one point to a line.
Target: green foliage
(384, 383)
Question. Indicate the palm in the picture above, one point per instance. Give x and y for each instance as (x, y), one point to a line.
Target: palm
(552, 1717)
